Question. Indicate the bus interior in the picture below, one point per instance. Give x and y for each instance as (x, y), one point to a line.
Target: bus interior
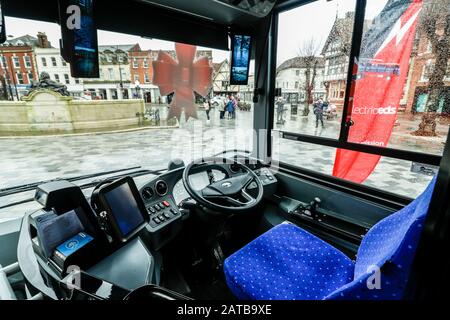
(240, 172)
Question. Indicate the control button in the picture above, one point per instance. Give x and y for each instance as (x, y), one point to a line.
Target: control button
(151, 210)
(167, 216)
(166, 204)
(157, 220)
(174, 212)
(157, 208)
(161, 217)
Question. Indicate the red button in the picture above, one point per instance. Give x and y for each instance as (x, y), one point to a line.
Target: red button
(166, 204)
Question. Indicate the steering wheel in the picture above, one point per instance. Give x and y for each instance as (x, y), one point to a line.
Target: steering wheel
(232, 191)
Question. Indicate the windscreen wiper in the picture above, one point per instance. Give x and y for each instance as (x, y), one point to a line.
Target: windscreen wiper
(94, 183)
(31, 186)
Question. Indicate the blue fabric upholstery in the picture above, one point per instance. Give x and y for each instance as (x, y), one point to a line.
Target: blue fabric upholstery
(289, 263)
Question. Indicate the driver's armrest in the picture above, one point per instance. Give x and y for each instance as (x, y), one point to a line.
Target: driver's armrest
(130, 267)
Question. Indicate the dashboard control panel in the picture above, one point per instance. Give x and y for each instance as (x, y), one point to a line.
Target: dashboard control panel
(162, 212)
(266, 176)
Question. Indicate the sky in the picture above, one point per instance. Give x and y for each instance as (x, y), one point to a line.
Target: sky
(315, 18)
(19, 27)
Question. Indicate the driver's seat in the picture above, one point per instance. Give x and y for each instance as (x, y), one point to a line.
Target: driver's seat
(288, 263)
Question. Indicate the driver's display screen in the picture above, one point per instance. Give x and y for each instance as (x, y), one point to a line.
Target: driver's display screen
(124, 208)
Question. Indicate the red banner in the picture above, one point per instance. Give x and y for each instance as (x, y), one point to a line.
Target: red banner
(380, 78)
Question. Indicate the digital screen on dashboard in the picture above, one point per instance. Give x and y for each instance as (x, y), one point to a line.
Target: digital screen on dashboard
(240, 59)
(124, 208)
(79, 33)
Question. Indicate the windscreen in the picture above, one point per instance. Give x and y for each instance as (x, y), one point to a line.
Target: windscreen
(153, 101)
(124, 208)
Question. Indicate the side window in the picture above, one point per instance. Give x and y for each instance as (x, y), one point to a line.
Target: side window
(398, 96)
(312, 67)
(401, 98)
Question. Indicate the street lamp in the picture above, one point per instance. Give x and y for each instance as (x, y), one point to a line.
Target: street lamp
(137, 83)
(120, 66)
(5, 63)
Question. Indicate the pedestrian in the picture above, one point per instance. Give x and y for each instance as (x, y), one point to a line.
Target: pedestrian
(207, 106)
(230, 107)
(235, 106)
(318, 111)
(280, 110)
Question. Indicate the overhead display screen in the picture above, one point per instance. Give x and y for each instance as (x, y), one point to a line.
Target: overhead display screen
(240, 59)
(79, 37)
(2, 25)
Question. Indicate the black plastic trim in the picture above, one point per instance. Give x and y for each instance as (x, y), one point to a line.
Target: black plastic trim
(426, 158)
(387, 199)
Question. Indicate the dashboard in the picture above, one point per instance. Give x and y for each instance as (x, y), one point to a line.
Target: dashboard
(164, 194)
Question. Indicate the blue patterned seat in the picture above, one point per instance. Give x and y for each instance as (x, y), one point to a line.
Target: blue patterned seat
(288, 263)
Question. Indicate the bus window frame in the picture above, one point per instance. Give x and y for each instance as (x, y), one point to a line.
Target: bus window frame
(342, 141)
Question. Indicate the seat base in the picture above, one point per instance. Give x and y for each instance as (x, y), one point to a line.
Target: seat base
(287, 263)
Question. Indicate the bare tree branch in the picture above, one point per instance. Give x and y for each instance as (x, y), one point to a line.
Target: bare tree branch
(308, 52)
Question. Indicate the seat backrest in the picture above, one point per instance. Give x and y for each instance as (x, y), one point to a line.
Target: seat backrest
(386, 253)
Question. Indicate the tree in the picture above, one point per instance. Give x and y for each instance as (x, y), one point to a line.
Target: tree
(435, 26)
(308, 51)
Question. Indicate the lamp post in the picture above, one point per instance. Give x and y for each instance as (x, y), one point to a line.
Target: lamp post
(13, 78)
(5, 70)
(138, 88)
(120, 67)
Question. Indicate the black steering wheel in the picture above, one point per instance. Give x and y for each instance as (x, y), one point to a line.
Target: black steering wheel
(228, 195)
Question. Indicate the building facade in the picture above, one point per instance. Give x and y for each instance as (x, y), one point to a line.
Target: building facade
(336, 53)
(141, 71)
(18, 66)
(49, 59)
(422, 64)
(291, 79)
(221, 80)
(246, 93)
(115, 79)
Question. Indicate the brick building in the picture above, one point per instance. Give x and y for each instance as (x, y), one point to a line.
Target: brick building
(17, 66)
(141, 71)
(421, 67)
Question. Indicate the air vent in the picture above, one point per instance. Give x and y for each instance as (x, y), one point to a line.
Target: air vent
(161, 188)
(147, 193)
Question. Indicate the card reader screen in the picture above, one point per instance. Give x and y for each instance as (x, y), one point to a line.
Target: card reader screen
(124, 208)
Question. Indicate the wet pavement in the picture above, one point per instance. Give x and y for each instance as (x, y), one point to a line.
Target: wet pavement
(26, 160)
